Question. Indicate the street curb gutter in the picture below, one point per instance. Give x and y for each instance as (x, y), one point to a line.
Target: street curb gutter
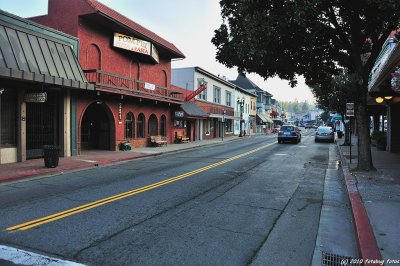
(62, 170)
(367, 246)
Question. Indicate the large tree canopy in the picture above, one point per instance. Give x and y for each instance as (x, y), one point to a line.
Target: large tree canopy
(314, 38)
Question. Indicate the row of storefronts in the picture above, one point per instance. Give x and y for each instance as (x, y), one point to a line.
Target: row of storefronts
(100, 80)
(384, 95)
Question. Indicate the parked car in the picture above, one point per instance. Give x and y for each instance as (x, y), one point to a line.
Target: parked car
(324, 134)
(289, 133)
(308, 125)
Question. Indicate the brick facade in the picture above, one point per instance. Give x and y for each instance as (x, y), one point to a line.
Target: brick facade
(80, 18)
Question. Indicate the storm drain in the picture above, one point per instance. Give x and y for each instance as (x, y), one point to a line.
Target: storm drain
(329, 259)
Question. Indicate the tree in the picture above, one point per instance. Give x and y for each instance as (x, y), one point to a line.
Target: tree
(335, 92)
(325, 116)
(315, 38)
(305, 107)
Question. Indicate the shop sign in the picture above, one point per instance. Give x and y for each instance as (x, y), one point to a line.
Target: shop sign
(120, 111)
(132, 44)
(154, 53)
(179, 114)
(40, 97)
(149, 86)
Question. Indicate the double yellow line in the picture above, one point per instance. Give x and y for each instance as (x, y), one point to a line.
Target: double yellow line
(97, 203)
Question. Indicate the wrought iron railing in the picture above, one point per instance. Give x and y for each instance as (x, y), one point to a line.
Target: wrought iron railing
(137, 87)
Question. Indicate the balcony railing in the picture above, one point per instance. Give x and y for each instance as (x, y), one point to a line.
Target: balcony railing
(135, 87)
(217, 110)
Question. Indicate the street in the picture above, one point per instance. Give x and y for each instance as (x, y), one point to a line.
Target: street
(250, 201)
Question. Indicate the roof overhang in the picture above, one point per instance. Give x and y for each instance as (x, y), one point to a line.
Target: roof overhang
(381, 84)
(100, 18)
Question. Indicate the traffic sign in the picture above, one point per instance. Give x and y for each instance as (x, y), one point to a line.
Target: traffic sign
(350, 109)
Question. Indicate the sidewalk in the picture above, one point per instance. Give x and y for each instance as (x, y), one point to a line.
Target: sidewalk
(95, 158)
(375, 202)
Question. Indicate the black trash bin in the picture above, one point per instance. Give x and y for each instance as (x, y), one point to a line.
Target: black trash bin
(339, 134)
(51, 155)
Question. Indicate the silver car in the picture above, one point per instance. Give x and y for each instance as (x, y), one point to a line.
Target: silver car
(324, 134)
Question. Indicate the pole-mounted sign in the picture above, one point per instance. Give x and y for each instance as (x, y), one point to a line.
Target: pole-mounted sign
(350, 109)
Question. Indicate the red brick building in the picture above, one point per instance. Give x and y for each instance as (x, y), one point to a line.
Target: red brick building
(131, 69)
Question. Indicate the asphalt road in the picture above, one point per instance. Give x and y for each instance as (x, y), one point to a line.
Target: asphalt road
(251, 201)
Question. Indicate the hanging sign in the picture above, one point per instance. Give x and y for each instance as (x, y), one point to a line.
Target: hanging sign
(149, 86)
(39, 97)
(154, 54)
(179, 114)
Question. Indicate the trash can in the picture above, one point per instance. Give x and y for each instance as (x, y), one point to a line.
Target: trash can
(51, 155)
(339, 134)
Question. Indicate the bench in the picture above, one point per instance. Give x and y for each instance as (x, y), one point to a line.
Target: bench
(158, 140)
(182, 138)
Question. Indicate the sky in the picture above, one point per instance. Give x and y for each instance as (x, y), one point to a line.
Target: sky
(189, 25)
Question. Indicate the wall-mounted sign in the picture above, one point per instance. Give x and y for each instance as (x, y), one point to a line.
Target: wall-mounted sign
(39, 97)
(149, 86)
(154, 53)
(132, 44)
(179, 114)
(120, 111)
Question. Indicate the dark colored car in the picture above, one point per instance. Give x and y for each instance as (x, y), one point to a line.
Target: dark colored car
(308, 125)
(289, 133)
(324, 134)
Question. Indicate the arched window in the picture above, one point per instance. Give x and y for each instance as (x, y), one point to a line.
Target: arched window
(140, 125)
(165, 78)
(129, 126)
(93, 57)
(153, 125)
(163, 126)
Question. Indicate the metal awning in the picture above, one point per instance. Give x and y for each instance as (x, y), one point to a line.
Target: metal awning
(264, 118)
(191, 109)
(30, 56)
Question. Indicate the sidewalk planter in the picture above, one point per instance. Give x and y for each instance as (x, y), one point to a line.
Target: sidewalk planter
(125, 146)
(51, 155)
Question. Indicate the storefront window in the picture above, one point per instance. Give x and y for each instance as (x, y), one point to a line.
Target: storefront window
(163, 125)
(153, 125)
(207, 126)
(179, 123)
(129, 126)
(228, 125)
(8, 118)
(140, 126)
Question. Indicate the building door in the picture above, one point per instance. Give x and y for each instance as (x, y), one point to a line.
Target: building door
(42, 127)
(97, 128)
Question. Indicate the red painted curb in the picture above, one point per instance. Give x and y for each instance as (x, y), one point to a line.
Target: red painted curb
(366, 241)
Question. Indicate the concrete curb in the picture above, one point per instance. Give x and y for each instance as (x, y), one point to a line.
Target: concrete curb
(367, 246)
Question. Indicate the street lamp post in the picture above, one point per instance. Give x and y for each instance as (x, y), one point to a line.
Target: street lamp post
(241, 104)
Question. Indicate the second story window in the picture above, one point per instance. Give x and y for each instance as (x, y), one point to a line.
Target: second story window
(202, 95)
(228, 98)
(217, 94)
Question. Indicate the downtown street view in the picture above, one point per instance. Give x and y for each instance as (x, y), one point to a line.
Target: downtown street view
(122, 147)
